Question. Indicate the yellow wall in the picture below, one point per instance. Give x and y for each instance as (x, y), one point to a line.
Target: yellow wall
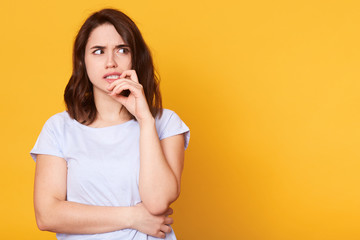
(270, 90)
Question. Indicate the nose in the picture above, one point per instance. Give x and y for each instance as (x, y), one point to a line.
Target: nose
(110, 61)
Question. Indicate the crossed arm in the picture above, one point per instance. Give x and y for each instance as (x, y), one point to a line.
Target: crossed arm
(161, 164)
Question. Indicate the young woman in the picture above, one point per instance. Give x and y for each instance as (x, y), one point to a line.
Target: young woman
(110, 166)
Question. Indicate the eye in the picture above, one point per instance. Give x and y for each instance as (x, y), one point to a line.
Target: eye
(124, 50)
(97, 52)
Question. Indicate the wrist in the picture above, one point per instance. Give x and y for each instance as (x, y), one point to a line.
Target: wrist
(131, 217)
(147, 121)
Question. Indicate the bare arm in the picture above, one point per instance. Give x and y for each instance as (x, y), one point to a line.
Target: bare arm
(161, 165)
(54, 213)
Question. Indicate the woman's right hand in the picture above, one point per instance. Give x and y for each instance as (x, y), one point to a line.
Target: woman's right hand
(147, 223)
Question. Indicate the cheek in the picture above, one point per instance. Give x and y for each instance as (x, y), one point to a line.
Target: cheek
(129, 66)
(87, 65)
(90, 67)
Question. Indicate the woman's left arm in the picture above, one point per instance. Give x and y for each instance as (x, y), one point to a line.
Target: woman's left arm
(161, 163)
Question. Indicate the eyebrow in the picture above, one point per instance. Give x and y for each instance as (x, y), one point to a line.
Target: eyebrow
(117, 46)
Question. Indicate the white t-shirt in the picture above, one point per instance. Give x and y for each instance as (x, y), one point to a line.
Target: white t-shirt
(103, 163)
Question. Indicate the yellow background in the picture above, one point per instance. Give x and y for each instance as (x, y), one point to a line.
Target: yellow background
(269, 89)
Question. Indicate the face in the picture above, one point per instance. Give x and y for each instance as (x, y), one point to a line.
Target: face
(106, 57)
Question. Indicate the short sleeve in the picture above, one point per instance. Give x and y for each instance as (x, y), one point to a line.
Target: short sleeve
(48, 141)
(170, 124)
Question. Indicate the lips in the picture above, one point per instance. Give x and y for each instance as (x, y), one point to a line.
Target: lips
(111, 77)
(113, 73)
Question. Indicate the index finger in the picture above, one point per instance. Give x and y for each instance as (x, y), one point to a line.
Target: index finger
(131, 74)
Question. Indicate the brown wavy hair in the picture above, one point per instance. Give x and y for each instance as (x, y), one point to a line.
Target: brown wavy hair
(78, 95)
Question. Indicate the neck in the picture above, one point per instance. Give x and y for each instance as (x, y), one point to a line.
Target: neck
(109, 111)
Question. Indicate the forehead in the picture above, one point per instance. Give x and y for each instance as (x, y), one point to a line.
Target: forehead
(103, 35)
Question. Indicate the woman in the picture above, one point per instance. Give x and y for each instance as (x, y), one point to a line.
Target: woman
(110, 166)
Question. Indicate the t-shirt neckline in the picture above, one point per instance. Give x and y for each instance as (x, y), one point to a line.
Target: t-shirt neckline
(100, 128)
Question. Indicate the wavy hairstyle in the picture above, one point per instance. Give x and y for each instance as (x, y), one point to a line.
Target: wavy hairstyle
(78, 95)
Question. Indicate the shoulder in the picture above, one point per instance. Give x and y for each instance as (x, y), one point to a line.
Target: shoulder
(59, 117)
(170, 124)
(50, 140)
(166, 116)
(57, 120)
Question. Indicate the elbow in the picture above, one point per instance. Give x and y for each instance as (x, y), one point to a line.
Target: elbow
(43, 222)
(47, 214)
(159, 203)
(41, 226)
(157, 208)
